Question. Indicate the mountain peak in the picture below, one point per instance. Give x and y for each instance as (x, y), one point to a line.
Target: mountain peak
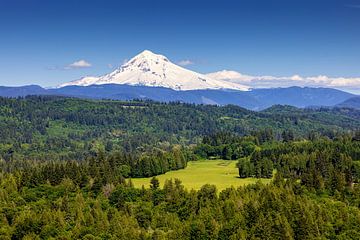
(145, 57)
(149, 54)
(155, 70)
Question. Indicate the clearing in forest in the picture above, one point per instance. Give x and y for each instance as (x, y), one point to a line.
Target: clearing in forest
(222, 173)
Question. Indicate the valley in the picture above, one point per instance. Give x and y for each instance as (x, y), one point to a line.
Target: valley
(75, 168)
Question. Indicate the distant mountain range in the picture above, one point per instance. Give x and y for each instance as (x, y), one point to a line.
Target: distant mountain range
(256, 99)
(153, 76)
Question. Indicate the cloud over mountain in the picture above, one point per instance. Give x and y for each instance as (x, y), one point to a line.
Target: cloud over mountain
(344, 83)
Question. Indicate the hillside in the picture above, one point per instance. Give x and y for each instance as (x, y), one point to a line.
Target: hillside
(71, 128)
(351, 103)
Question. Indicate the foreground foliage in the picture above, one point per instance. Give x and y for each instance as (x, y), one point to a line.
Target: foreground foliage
(66, 167)
(281, 210)
(92, 201)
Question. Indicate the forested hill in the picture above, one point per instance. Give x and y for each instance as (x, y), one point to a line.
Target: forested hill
(315, 193)
(351, 103)
(43, 127)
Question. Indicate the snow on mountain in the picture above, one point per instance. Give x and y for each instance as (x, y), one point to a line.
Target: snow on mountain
(154, 70)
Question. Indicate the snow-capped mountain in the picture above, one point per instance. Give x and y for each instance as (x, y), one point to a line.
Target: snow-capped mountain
(154, 70)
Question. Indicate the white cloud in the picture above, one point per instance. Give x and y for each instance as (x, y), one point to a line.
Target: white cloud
(345, 83)
(231, 75)
(185, 62)
(296, 78)
(78, 64)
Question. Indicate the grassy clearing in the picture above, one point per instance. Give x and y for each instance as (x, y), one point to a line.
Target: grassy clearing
(222, 173)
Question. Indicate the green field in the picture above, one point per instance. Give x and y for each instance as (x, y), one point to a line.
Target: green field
(222, 173)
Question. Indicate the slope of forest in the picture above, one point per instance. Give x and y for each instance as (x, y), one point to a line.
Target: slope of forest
(68, 128)
(66, 167)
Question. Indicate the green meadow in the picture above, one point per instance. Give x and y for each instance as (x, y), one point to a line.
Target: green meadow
(222, 173)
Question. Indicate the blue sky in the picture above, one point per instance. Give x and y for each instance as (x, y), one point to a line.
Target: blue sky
(40, 39)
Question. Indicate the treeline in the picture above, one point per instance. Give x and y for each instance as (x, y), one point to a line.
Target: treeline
(229, 146)
(259, 155)
(322, 164)
(100, 169)
(316, 161)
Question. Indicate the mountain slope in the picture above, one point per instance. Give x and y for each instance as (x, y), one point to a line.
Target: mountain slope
(22, 91)
(351, 103)
(256, 99)
(299, 96)
(153, 70)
